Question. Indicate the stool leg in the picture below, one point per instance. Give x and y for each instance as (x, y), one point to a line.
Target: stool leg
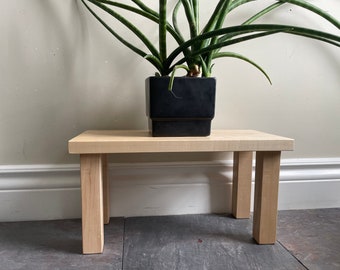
(92, 203)
(242, 184)
(106, 191)
(266, 196)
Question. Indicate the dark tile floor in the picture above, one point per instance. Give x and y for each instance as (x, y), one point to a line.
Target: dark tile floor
(307, 239)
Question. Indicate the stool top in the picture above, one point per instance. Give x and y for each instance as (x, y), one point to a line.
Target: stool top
(140, 141)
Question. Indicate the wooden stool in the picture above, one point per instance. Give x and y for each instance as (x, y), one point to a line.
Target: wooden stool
(94, 145)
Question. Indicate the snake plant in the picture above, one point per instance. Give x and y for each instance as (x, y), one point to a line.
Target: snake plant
(203, 45)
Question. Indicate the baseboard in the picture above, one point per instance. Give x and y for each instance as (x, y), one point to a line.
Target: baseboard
(39, 192)
(43, 192)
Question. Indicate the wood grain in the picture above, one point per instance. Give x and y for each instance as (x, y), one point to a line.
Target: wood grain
(92, 203)
(242, 184)
(106, 190)
(266, 196)
(93, 146)
(137, 141)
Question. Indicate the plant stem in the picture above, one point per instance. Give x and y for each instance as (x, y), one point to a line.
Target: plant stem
(162, 29)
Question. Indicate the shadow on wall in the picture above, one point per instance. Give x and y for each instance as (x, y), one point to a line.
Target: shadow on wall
(110, 98)
(57, 82)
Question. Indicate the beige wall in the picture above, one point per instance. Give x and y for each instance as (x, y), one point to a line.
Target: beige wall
(61, 73)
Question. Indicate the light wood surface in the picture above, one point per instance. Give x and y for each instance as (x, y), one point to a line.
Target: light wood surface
(242, 184)
(92, 203)
(137, 141)
(106, 190)
(266, 196)
(94, 145)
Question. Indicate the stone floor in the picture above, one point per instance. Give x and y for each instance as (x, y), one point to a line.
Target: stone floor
(307, 239)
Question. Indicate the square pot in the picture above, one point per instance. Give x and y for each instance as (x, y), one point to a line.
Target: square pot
(187, 110)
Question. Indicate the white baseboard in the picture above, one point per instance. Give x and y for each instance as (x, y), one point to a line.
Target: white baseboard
(39, 192)
(43, 192)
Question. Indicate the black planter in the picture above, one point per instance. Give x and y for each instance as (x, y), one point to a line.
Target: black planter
(186, 111)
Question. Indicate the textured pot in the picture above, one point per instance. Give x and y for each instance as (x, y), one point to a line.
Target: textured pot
(186, 111)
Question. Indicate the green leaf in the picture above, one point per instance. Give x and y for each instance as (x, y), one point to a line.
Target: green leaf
(144, 7)
(172, 77)
(128, 24)
(314, 9)
(129, 45)
(162, 29)
(263, 12)
(239, 56)
(190, 15)
(268, 29)
(174, 18)
(155, 61)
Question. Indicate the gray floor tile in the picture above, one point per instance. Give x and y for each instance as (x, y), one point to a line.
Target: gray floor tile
(307, 239)
(56, 245)
(312, 236)
(199, 242)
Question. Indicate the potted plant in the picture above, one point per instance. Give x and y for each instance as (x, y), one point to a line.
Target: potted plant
(184, 106)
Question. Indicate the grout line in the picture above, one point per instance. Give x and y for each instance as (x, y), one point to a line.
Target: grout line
(123, 251)
(292, 255)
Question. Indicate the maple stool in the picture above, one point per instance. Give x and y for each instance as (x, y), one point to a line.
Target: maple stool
(94, 145)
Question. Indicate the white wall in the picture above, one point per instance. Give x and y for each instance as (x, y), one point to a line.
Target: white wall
(62, 73)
